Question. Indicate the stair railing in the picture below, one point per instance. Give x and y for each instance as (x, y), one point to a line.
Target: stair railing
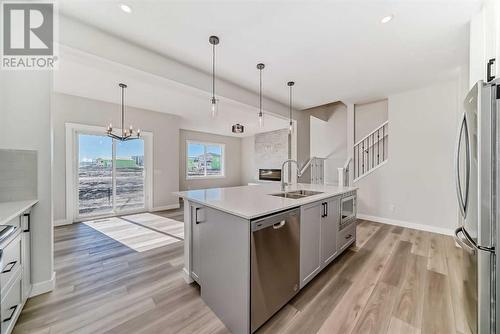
(371, 151)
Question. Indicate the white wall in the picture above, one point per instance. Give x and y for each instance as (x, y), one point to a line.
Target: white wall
(232, 168)
(369, 116)
(25, 123)
(484, 37)
(165, 129)
(416, 186)
(329, 138)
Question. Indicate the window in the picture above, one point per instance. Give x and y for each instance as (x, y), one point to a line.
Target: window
(204, 160)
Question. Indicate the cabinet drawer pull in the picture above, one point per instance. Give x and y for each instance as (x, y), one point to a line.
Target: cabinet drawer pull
(13, 308)
(325, 210)
(29, 222)
(196, 215)
(11, 264)
(349, 236)
(490, 70)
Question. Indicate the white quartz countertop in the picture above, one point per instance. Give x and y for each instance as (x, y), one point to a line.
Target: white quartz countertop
(255, 201)
(10, 210)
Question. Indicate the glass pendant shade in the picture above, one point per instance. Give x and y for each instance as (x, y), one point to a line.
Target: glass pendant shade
(214, 107)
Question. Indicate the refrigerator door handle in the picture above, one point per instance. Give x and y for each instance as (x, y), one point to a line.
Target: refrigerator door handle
(463, 242)
(462, 203)
(468, 239)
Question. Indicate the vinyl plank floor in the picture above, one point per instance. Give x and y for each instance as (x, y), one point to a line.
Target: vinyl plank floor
(393, 280)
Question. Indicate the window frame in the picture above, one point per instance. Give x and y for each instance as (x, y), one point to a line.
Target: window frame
(205, 144)
(72, 130)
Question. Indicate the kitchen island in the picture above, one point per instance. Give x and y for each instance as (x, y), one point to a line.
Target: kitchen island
(252, 248)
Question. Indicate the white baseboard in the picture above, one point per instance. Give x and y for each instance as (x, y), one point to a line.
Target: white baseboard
(421, 227)
(62, 222)
(165, 207)
(43, 287)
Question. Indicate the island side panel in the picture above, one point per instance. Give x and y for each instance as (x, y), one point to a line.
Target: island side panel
(187, 241)
(225, 268)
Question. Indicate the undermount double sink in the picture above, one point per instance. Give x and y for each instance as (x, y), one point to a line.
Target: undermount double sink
(297, 194)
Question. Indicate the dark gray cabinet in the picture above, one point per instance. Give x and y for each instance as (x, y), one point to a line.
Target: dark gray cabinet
(220, 264)
(329, 226)
(310, 241)
(319, 229)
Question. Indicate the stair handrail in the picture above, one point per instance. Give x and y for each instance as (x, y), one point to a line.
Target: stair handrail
(371, 133)
(347, 163)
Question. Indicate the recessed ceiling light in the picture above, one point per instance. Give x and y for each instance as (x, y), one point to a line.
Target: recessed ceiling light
(387, 18)
(126, 8)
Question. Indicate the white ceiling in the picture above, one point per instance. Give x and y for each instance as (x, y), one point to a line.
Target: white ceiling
(89, 76)
(334, 50)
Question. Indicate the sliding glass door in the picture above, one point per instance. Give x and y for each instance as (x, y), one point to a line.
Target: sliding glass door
(129, 173)
(95, 175)
(111, 178)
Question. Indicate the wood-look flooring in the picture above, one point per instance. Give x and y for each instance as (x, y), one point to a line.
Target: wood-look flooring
(394, 280)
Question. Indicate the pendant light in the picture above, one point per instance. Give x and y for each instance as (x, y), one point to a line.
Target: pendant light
(125, 135)
(260, 67)
(213, 40)
(290, 124)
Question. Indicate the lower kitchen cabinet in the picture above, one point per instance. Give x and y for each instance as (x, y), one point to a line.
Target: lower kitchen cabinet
(321, 239)
(15, 272)
(329, 229)
(310, 240)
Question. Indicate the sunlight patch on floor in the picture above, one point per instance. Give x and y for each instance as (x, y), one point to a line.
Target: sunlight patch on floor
(134, 236)
(161, 224)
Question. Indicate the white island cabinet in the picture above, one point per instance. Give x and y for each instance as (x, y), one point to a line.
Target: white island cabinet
(235, 261)
(15, 264)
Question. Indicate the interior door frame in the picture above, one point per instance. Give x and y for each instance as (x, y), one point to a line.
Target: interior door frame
(72, 148)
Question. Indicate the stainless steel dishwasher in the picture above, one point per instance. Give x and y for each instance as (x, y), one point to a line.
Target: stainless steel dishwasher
(275, 256)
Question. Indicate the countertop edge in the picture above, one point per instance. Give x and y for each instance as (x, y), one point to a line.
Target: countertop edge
(23, 206)
(304, 201)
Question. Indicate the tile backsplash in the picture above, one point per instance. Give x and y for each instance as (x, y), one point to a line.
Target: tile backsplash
(18, 175)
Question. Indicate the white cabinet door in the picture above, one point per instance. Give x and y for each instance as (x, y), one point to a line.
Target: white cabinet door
(26, 255)
(310, 241)
(329, 230)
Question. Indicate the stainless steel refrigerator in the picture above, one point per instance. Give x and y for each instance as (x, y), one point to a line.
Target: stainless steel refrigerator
(477, 165)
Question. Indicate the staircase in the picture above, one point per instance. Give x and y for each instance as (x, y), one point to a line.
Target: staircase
(370, 152)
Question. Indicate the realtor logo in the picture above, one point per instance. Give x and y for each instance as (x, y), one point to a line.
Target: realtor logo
(28, 35)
